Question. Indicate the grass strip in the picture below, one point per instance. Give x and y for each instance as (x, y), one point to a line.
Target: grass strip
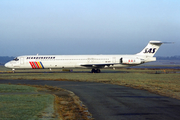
(17, 106)
(67, 104)
(21, 102)
(16, 88)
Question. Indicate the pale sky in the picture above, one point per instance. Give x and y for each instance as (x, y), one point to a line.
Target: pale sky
(28, 27)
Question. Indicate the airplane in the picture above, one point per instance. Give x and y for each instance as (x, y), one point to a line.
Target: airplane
(94, 62)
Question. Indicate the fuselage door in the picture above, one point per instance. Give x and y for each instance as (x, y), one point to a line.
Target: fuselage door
(114, 60)
(22, 60)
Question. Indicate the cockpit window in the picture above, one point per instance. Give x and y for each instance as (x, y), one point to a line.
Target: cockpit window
(16, 59)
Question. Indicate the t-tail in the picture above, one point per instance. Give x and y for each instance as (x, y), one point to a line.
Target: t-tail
(150, 49)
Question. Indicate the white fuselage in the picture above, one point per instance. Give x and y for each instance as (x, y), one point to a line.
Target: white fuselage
(75, 61)
(94, 62)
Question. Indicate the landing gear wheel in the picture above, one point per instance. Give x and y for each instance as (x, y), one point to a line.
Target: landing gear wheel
(95, 71)
(13, 70)
(98, 70)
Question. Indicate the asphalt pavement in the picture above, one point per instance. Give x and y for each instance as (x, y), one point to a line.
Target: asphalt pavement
(114, 102)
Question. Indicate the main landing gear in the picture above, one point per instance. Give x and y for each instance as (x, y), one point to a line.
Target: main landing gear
(95, 70)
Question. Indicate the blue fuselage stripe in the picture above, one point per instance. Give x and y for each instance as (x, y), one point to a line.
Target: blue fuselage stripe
(42, 65)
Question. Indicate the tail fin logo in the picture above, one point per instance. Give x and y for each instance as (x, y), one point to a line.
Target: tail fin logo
(150, 50)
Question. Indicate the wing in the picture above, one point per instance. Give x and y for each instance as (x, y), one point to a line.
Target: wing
(98, 65)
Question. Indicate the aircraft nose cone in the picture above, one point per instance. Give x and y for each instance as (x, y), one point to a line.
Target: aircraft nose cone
(8, 65)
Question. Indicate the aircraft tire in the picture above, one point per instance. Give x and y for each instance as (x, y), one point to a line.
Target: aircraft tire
(95, 71)
(98, 70)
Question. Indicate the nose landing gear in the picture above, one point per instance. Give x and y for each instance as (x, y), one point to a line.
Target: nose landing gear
(95, 70)
(13, 70)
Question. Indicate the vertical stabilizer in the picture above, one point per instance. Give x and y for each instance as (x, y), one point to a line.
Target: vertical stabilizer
(150, 49)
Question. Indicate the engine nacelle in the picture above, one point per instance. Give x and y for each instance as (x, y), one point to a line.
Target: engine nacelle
(134, 61)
